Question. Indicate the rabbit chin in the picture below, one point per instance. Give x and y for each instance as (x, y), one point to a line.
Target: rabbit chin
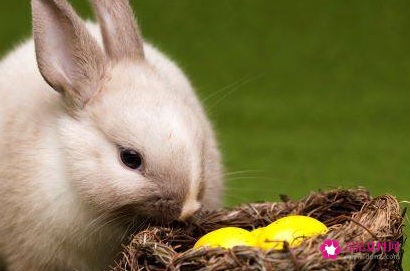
(137, 217)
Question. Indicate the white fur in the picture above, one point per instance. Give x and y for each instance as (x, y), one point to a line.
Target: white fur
(47, 169)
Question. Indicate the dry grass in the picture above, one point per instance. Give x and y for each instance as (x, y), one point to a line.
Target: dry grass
(352, 215)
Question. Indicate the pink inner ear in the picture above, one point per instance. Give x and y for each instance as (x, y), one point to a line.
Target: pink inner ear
(61, 56)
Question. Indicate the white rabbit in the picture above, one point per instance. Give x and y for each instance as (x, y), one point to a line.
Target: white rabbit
(116, 139)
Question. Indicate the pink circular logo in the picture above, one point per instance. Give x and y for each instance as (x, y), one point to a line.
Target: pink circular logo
(330, 249)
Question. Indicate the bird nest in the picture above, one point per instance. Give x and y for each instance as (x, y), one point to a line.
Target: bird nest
(369, 232)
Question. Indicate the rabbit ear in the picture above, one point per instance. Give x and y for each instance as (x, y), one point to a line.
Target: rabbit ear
(122, 38)
(68, 57)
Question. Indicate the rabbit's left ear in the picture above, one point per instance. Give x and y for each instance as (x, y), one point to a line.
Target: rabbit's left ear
(68, 57)
(122, 38)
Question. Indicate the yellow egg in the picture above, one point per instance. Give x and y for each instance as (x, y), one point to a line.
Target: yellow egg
(292, 229)
(256, 232)
(227, 238)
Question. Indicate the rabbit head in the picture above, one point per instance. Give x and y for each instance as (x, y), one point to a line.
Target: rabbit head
(133, 135)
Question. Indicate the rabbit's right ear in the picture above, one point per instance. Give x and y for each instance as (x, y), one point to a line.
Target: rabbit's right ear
(122, 37)
(68, 57)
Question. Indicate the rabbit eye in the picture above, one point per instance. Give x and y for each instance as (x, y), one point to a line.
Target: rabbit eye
(131, 158)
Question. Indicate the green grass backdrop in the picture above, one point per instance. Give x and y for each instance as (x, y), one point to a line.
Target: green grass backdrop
(305, 95)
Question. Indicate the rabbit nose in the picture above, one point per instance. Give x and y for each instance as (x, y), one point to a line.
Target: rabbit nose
(189, 208)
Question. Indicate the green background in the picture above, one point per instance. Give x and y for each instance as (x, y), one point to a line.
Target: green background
(304, 95)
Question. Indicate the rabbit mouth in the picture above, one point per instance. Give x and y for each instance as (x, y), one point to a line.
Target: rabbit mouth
(160, 209)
